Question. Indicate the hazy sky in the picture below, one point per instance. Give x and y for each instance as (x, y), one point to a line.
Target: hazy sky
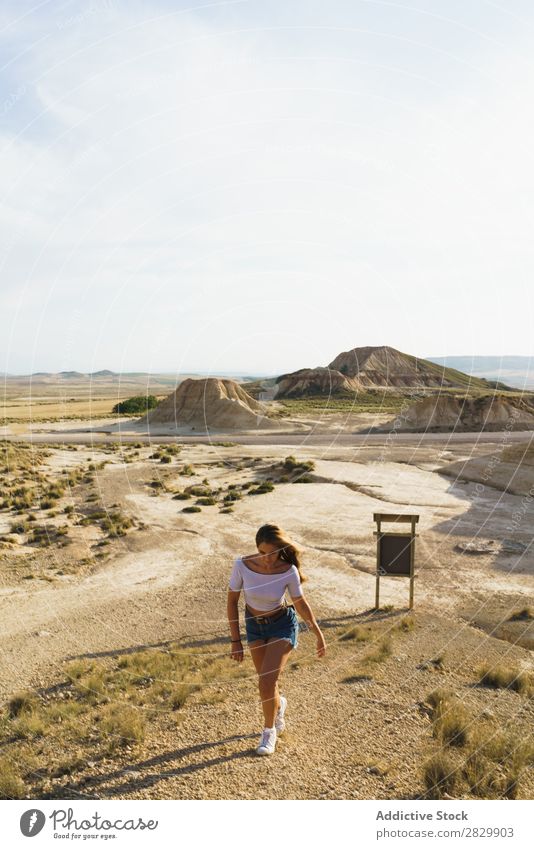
(257, 186)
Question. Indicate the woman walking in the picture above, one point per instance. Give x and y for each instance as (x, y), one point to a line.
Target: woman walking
(271, 624)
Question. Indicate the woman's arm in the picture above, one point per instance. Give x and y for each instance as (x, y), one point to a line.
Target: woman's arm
(236, 648)
(302, 607)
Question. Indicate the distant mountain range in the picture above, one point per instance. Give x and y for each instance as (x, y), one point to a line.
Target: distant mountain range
(355, 370)
(516, 371)
(107, 376)
(102, 377)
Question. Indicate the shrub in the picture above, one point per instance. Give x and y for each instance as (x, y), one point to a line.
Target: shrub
(76, 669)
(524, 614)
(440, 776)
(54, 492)
(181, 496)
(356, 633)
(198, 489)
(438, 697)
(19, 527)
(91, 689)
(266, 486)
(44, 535)
(124, 724)
(478, 771)
(179, 696)
(206, 502)
(451, 720)
(505, 678)
(192, 509)
(291, 464)
(451, 725)
(22, 702)
(116, 523)
(173, 448)
(232, 496)
(11, 784)
(28, 725)
(495, 763)
(22, 498)
(383, 650)
(137, 404)
(407, 623)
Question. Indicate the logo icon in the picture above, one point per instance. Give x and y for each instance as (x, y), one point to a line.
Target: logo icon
(31, 822)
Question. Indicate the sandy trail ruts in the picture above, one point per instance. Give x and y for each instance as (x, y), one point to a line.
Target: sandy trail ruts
(115, 607)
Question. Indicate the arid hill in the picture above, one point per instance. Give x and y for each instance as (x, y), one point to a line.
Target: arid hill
(385, 366)
(210, 403)
(315, 381)
(510, 468)
(461, 413)
(379, 367)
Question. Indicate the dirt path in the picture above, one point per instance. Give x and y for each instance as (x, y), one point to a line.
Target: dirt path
(172, 585)
(359, 740)
(182, 564)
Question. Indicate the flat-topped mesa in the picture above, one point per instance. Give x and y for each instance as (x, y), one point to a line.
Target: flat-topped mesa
(210, 403)
(455, 413)
(385, 366)
(315, 381)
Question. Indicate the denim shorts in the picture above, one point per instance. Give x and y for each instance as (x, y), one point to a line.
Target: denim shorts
(284, 628)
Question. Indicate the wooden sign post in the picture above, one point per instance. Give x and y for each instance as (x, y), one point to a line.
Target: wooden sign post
(395, 551)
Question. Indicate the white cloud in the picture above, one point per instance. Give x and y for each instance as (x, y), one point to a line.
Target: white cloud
(255, 167)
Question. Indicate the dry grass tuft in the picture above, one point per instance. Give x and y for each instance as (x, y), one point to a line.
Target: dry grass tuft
(506, 677)
(11, 784)
(440, 776)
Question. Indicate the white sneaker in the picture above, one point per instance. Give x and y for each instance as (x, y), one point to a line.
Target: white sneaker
(267, 742)
(279, 722)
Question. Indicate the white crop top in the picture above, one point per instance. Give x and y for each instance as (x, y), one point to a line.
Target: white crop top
(264, 592)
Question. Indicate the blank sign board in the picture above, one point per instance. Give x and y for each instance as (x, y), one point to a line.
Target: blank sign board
(394, 554)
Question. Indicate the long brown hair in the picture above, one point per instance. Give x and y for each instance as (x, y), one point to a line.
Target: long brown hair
(287, 550)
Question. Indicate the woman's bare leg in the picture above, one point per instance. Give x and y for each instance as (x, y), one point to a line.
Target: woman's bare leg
(275, 658)
(257, 652)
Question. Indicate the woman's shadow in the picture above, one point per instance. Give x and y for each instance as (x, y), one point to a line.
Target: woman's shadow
(94, 786)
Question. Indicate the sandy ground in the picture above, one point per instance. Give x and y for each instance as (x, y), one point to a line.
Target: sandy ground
(327, 423)
(169, 582)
